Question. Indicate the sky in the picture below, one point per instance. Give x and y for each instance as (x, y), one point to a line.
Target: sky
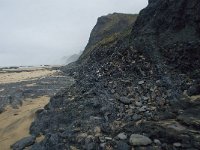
(38, 32)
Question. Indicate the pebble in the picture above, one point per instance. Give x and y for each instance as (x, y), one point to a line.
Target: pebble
(142, 109)
(141, 82)
(138, 104)
(108, 138)
(122, 136)
(157, 142)
(177, 144)
(136, 117)
(139, 140)
(125, 100)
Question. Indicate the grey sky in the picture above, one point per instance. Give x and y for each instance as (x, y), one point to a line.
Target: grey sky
(34, 32)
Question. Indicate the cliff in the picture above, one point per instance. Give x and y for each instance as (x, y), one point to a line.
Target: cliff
(108, 28)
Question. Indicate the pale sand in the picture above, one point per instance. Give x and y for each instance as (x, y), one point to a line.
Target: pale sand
(15, 123)
(25, 76)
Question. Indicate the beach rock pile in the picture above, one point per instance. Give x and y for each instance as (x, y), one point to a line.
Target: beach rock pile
(130, 93)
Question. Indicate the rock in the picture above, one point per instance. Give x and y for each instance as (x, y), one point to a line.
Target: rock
(97, 130)
(139, 140)
(138, 104)
(136, 117)
(194, 90)
(122, 136)
(108, 138)
(142, 109)
(112, 91)
(177, 144)
(122, 146)
(141, 82)
(157, 142)
(102, 145)
(90, 146)
(25, 142)
(125, 100)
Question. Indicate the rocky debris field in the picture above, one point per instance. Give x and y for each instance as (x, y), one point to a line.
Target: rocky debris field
(139, 91)
(120, 105)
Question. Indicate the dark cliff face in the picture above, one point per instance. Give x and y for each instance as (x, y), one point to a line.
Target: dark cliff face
(110, 24)
(170, 17)
(170, 29)
(108, 29)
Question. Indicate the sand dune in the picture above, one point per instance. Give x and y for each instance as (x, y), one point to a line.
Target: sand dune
(15, 123)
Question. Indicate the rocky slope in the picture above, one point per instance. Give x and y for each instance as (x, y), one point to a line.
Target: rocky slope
(108, 29)
(139, 91)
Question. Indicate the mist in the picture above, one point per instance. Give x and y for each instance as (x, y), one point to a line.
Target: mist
(38, 32)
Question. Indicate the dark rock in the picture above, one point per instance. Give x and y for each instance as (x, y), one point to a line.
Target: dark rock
(194, 90)
(136, 117)
(125, 100)
(122, 146)
(139, 140)
(25, 142)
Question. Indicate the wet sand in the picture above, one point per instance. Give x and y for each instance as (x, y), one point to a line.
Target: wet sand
(15, 123)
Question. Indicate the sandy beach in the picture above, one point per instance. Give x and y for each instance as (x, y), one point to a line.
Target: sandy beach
(14, 77)
(15, 123)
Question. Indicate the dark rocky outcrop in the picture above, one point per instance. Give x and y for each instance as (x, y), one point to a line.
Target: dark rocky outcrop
(170, 30)
(135, 84)
(23, 143)
(108, 29)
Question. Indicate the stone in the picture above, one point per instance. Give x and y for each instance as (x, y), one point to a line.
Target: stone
(136, 117)
(193, 90)
(102, 145)
(142, 109)
(138, 104)
(108, 138)
(145, 98)
(112, 91)
(141, 82)
(125, 100)
(25, 142)
(177, 144)
(122, 146)
(139, 140)
(157, 142)
(122, 136)
(97, 130)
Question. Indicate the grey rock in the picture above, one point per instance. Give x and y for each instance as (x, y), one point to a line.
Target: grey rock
(25, 142)
(122, 146)
(157, 142)
(139, 140)
(177, 144)
(193, 90)
(125, 100)
(122, 136)
(142, 109)
(141, 82)
(138, 104)
(136, 117)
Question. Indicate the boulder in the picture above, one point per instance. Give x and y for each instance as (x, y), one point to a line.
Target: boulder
(25, 142)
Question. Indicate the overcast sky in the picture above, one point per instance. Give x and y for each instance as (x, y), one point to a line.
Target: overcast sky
(34, 32)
